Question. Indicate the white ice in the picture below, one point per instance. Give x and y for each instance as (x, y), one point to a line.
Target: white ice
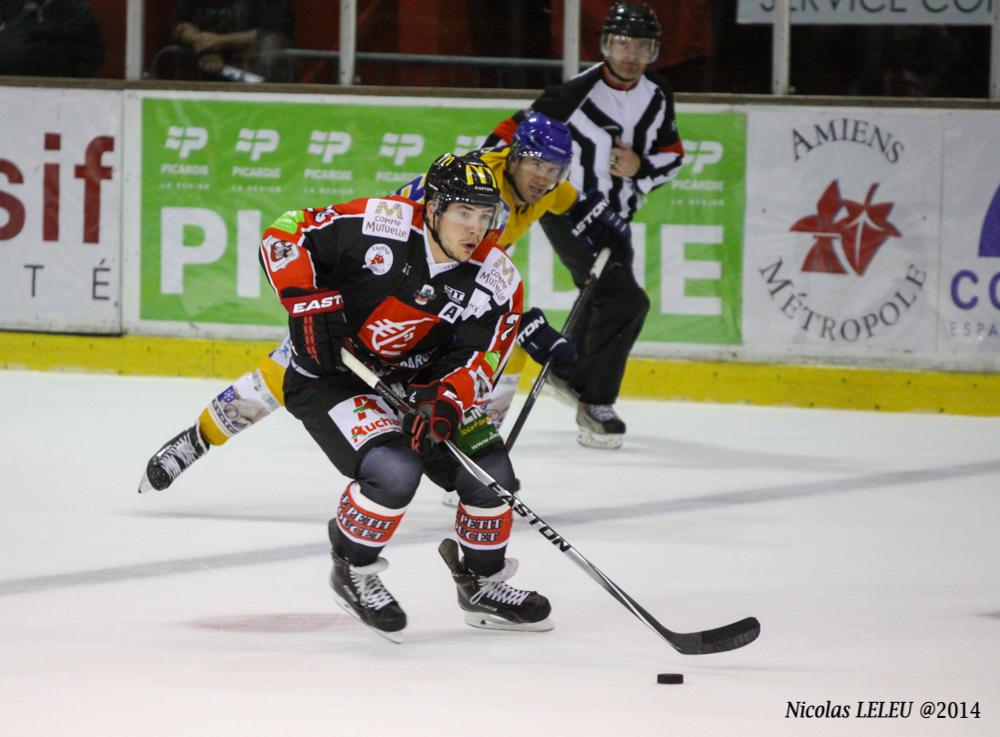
(866, 544)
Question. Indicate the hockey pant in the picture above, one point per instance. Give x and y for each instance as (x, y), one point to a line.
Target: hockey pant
(258, 393)
(361, 436)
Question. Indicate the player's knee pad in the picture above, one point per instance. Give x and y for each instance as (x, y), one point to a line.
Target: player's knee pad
(246, 401)
(390, 473)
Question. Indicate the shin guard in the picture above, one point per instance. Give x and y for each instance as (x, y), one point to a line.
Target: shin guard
(365, 526)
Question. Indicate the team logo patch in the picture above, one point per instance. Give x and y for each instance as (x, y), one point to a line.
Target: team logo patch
(321, 216)
(388, 219)
(378, 259)
(280, 253)
(364, 417)
(455, 295)
(499, 276)
(395, 328)
(425, 294)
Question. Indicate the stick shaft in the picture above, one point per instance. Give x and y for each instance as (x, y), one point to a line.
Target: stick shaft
(574, 317)
(723, 638)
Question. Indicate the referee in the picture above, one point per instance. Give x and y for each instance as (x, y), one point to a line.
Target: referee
(625, 146)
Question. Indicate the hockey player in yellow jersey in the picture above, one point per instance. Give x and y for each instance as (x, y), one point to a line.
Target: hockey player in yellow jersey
(532, 176)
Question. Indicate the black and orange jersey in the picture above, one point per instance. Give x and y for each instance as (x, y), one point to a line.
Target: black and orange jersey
(419, 320)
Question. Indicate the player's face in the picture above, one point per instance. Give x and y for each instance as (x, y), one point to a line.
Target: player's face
(461, 228)
(628, 57)
(533, 177)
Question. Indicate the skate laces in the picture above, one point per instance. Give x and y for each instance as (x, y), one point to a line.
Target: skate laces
(371, 591)
(602, 412)
(179, 455)
(495, 587)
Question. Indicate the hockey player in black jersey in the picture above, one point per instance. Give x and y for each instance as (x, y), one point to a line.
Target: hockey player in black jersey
(415, 292)
(626, 145)
(531, 176)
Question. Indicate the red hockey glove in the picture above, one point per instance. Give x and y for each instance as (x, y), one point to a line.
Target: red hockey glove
(436, 415)
(317, 325)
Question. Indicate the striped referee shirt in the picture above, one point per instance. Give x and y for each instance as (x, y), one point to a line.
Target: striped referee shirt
(596, 111)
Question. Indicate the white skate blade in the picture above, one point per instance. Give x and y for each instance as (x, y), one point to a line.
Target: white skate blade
(396, 637)
(144, 485)
(485, 621)
(590, 439)
(450, 499)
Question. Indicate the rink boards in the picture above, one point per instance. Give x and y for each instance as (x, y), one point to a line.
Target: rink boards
(796, 234)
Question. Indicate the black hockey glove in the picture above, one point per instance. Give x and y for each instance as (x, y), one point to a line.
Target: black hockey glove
(317, 325)
(597, 223)
(436, 416)
(541, 341)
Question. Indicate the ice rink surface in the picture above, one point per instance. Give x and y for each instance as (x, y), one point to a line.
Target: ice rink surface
(867, 544)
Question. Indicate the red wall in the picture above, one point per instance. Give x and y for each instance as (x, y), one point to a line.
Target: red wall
(413, 26)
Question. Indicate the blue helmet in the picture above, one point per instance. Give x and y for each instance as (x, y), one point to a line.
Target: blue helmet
(544, 138)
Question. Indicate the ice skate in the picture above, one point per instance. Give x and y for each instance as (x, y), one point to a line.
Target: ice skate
(600, 426)
(361, 593)
(489, 602)
(173, 459)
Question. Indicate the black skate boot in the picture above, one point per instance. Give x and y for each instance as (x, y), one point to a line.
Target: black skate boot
(490, 602)
(360, 593)
(172, 459)
(600, 426)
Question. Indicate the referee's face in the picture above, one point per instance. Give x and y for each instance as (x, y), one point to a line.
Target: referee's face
(628, 57)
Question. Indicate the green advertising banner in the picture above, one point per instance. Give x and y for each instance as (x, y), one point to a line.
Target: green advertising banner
(688, 241)
(215, 173)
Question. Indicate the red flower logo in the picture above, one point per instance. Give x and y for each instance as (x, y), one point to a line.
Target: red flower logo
(860, 229)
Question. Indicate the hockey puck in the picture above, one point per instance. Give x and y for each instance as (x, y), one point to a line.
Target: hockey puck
(670, 678)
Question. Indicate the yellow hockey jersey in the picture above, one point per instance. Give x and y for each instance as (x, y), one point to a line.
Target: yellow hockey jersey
(515, 220)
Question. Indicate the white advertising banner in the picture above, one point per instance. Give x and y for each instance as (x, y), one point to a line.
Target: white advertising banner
(60, 210)
(970, 237)
(873, 12)
(842, 228)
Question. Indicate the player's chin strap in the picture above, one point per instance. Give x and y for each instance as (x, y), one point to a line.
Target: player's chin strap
(718, 640)
(575, 312)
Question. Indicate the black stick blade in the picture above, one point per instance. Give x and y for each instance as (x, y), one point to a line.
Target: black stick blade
(720, 640)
